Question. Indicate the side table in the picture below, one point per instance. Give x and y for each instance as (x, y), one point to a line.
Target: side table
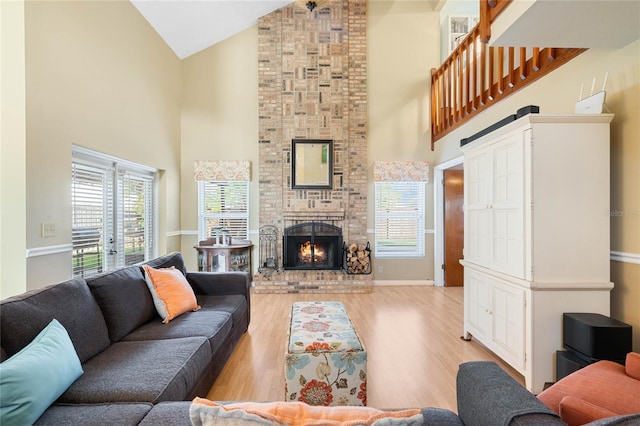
(224, 258)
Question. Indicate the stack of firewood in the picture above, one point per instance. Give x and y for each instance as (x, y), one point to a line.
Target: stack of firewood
(358, 259)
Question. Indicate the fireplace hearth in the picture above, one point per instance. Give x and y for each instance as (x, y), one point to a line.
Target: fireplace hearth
(312, 246)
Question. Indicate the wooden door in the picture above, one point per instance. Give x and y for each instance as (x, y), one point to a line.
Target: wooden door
(453, 227)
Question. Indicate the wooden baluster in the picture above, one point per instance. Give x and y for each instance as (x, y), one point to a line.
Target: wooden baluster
(467, 70)
(512, 51)
(447, 88)
(523, 63)
(551, 53)
(535, 59)
(476, 58)
(492, 59)
(460, 105)
(452, 90)
(500, 70)
(437, 103)
(483, 74)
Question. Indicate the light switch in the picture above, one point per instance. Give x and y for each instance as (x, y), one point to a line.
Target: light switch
(48, 230)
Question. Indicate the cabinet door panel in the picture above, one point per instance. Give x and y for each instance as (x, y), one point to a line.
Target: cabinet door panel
(508, 242)
(508, 323)
(478, 222)
(478, 293)
(478, 180)
(508, 206)
(508, 172)
(479, 236)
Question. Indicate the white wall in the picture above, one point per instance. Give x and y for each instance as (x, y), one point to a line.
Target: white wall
(98, 76)
(13, 265)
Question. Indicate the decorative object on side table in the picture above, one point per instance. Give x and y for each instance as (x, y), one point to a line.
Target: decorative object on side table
(234, 256)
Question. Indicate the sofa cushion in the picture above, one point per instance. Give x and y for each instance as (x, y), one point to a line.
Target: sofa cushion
(213, 324)
(124, 299)
(142, 371)
(95, 414)
(172, 295)
(603, 383)
(234, 304)
(168, 413)
(172, 259)
(22, 317)
(35, 377)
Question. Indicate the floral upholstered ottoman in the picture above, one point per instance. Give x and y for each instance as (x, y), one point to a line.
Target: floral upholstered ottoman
(325, 362)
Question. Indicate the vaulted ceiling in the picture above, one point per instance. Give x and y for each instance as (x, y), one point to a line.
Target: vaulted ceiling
(189, 26)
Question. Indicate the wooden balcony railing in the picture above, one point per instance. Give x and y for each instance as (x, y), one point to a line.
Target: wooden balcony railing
(476, 76)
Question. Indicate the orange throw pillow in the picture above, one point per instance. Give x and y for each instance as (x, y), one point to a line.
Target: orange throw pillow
(204, 412)
(632, 365)
(172, 294)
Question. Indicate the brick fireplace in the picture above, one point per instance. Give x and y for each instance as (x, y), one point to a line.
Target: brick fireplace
(312, 76)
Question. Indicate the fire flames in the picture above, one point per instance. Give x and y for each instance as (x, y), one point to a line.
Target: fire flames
(304, 254)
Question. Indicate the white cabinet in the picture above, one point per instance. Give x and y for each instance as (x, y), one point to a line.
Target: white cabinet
(536, 235)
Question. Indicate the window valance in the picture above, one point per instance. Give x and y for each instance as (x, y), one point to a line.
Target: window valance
(220, 170)
(401, 171)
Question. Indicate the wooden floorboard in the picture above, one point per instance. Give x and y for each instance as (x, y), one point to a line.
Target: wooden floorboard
(411, 334)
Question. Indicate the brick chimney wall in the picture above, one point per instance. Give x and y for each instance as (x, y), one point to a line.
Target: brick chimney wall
(312, 77)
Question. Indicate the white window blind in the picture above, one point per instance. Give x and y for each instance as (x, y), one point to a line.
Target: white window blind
(223, 204)
(136, 211)
(113, 213)
(399, 219)
(91, 196)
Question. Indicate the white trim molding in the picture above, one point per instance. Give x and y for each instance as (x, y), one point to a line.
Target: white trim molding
(393, 283)
(49, 250)
(195, 232)
(438, 217)
(620, 256)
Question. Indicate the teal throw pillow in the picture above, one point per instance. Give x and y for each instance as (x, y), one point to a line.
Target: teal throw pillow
(32, 379)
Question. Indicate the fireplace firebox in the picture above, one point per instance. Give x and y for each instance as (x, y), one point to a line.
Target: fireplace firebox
(312, 245)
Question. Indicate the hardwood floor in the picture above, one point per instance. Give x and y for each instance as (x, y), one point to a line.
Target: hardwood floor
(411, 334)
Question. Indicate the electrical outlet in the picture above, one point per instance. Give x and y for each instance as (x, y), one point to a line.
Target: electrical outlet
(48, 230)
(380, 269)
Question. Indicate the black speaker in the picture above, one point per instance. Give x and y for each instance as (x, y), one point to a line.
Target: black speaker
(595, 337)
(567, 363)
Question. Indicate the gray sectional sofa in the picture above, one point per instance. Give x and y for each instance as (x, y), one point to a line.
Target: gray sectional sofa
(135, 367)
(139, 371)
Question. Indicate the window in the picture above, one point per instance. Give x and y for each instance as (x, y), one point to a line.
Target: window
(223, 204)
(113, 212)
(399, 219)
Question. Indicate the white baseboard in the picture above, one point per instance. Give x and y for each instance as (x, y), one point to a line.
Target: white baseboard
(390, 283)
(620, 256)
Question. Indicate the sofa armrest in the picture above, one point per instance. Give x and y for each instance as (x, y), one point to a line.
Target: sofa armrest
(632, 365)
(221, 284)
(576, 411)
(487, 395)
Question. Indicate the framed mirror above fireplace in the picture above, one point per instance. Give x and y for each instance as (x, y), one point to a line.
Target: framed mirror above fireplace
(311, 164)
